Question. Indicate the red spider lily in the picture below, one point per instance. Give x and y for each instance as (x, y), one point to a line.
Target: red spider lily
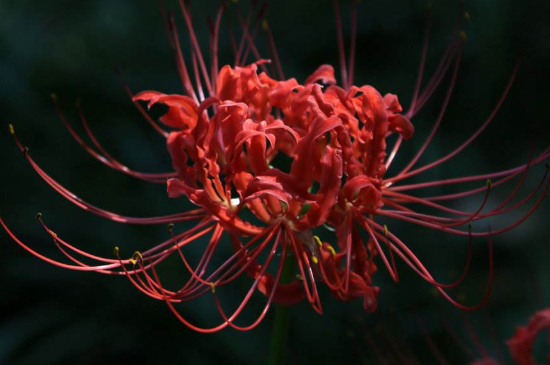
(393, 348)
(225, 134)
(521, 345)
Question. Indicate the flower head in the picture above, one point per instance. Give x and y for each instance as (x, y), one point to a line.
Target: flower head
(225, 138)
(522, 343)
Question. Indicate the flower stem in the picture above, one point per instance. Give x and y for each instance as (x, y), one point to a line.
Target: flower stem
(281, 321)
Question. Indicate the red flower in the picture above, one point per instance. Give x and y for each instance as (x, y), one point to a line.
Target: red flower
(223, 147)
(521, 345)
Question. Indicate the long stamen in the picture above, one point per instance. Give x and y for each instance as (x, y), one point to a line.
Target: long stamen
(389, 267)
(179, 316)
(410, 258)
(152, 177)
(474, 337)
(341, 48)
(180, 60)
(244, 26)
(51, 261)
(232, 40)
(465, 143)
(475, 234)
(142, 111)
(273, 48)
(196, 48)
(106, 160)
(214, 51)
(197, 75)
(439, 288)
(506, 173)
(422, 65)
(353, 37)
(179, 217)
(430, 342)
(439, 117)
(245, 301)
(248, 38)
(303, 266)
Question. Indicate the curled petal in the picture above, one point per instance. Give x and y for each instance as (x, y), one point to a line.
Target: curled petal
(280, 195)
(302, 168)
(266, 185)
(327, 196)
(325, 74)
(290, 184)
(182, 110)
(401, 125)
(359, 288)
(281, 94)
(227, 83)
(363, 191)
(177, 188)
(176, 143)
(370, 105)
(392, 103)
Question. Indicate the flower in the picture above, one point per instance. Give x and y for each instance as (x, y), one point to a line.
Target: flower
(521, 344)
(225, 135)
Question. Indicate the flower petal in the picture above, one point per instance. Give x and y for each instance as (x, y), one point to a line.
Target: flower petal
(182, 110)
(325, 74)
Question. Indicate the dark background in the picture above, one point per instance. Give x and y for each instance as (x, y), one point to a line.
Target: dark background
(53, 316)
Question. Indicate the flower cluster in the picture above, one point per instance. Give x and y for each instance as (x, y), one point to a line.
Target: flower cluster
(226, 135)
(336, 140)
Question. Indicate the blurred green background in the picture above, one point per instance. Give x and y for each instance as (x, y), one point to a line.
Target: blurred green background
(53, 316)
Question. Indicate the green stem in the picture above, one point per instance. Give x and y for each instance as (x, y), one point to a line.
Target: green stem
(281, 321)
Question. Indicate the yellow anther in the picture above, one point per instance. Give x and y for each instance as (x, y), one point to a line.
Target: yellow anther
(300, 277)
(463, 36)
(170, 227)
(489, 183)
(265, 25)
(213, 287)
(133, 262)
(12, 130)
(315, 260)
(116, 251)
(38, 216)
(318, 241)
(467, 16)
(386, 232)
(331, 249)
(52, 233)
(53, 96)
(137, 255)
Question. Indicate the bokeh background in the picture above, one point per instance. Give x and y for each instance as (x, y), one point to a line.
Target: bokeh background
(53, 316)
